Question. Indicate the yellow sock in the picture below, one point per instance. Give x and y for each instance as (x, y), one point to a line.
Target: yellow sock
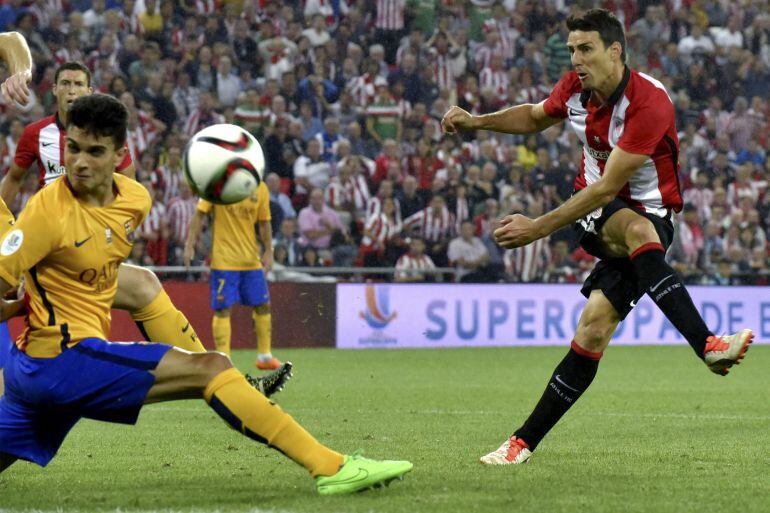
(220, 328)
(251, 413)
(160, 321)
(263, 331)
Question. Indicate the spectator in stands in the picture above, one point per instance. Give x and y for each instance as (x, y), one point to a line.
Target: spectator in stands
(382, 241)
(310, 169)
(434, 224)
(181, 209)
(288, 238)
(317, 222)
(273, 182)
(414, 260)
(408, 199)
(469, 256)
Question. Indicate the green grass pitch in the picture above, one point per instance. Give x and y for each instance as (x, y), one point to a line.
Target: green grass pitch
(656, 433)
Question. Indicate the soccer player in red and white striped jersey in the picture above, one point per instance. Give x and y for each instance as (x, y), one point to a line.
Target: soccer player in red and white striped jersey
(627, 188)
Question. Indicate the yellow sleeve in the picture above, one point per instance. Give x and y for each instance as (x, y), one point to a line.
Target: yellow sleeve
(204, 206)
(34, 235)
(263, 203)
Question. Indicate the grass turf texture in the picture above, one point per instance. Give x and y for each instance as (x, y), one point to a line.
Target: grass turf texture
(657, 432)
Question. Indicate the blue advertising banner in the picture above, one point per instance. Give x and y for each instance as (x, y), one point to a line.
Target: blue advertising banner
(455, 315)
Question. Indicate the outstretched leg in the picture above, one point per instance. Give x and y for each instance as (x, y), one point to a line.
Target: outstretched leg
(569, 380)
(141, 293)
(182, 375)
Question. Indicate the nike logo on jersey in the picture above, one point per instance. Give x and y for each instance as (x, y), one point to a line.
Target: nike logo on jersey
(186, 327)
(80, 243)
(652, 289)
(47, 144)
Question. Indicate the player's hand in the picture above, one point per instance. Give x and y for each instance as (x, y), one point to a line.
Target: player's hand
(516, 231)
(16, 87)
(189, 253)
(267, 261)
(455, 119)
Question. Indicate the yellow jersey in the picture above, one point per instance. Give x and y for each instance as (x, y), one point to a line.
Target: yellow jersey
(6, 218)
(234, 246)
(69, 253)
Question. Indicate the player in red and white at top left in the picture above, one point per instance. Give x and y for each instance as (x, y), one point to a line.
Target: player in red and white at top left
(626, 191)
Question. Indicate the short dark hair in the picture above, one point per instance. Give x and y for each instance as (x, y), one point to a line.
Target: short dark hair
(605, 23)
(101, 115)
(73, 66)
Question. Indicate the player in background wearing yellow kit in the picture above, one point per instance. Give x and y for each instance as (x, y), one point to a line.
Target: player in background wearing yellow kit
(237, 271)
(63, 369)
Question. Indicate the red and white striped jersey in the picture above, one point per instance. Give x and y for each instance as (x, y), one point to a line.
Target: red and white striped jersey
(154, 223)
(206, 6)
(43, 142)
(167, 180)
(446, 70)
(198, 120)
(431, 226)
(528, 263)
(390, 14)
(638, 118)
(407, 261)
(64, 55)
(374, 207)
(381, 229)
(362, 89)
(137, 142)
(496, 80)
(462, 212)
(355, 192)
(180, 214)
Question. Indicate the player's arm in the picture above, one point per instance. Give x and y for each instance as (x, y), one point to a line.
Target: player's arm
(11, 183)
(265, 234)
(522, 119)
(15, 53)
(196, 225)
(519, 230)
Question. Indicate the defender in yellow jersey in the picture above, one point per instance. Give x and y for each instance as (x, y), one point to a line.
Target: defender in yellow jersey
(63, 368)
(237, 271)
(139, 290)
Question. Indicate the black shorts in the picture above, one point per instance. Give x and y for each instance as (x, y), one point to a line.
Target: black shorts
(615, 277)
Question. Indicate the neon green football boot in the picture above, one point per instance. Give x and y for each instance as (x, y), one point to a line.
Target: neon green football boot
(359, 473)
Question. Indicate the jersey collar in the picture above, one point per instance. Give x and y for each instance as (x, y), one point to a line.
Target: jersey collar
(585, 95)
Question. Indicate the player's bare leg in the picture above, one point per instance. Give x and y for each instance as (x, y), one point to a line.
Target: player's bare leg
(6, 460)
(629, 231)
(263, 333)
(571, 378)
(141, 293)
(184, 375)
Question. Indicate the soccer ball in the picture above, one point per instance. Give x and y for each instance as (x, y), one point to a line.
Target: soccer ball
(223, 164)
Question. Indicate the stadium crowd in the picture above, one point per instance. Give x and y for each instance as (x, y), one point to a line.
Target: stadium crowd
(346, 98)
